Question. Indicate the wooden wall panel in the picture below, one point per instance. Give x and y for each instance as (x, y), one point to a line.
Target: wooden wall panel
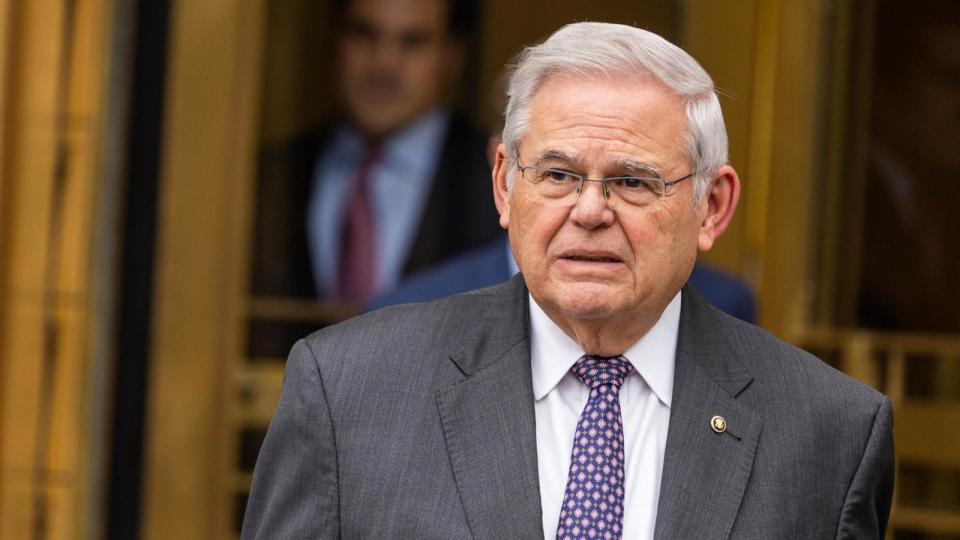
(30, 82)
(722, 35)
(767, 57)
(210, 129)
(787, 247)
(51, 92)
(298, 62)
(509, 25)
(6, 44)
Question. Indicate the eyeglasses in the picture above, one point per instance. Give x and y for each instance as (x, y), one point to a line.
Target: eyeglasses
(563, 187)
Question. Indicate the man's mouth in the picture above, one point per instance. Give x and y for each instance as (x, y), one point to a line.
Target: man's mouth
(589, 258)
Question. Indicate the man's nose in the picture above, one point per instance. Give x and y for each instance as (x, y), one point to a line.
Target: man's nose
(592, 209)
(387, 53)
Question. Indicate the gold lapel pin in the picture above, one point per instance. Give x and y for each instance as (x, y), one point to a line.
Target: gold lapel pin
(718, 424)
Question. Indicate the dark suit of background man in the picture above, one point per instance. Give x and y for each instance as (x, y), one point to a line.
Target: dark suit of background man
(397, 182)
(592, 393)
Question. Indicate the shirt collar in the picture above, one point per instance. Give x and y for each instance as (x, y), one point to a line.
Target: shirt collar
(553, 353)
(511, 262)
(402, 149)
(405, 148)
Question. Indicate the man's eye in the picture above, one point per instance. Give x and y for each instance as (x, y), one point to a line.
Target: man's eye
(636, 183)
(414, 40)
(558, 176)
(361, 32)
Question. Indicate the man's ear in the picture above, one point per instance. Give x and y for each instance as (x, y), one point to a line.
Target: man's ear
(721, 202)
(501, 195)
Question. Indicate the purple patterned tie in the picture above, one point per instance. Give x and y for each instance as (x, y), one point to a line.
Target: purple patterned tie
(593, 501)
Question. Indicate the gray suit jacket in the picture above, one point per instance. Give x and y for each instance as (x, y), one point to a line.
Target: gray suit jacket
(418, 422)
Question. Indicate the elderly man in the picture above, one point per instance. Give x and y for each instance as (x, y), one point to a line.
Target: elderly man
(592, 396)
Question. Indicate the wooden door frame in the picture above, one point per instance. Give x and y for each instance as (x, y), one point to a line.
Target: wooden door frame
(767, 58)
(54, 72)
(209, 147)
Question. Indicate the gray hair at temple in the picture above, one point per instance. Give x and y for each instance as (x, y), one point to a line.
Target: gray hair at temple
(590, 48)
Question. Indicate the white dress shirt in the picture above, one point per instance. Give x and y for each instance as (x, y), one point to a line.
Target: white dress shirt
(644, 399)
(399, 186)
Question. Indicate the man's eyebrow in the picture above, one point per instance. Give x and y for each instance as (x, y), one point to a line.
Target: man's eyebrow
(629, 166)
(638, 168)
(557, 155)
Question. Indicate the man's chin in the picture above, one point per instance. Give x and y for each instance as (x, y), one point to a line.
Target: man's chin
(589, 303)
(377, 124)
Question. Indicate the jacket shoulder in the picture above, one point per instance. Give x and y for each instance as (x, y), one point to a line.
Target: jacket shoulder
(791, 386)
(410, 332)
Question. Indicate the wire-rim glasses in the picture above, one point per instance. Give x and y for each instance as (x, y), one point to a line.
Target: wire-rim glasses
(563, 187)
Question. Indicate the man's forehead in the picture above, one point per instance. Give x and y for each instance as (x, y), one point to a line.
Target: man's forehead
(614, 97)
(629, 115)
(399, 16)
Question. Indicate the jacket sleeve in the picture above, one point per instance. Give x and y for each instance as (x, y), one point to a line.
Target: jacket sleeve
(295, 486)
(867, 505)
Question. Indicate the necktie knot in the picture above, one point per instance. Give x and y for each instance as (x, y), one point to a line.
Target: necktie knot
(597, 371)
(369, 158)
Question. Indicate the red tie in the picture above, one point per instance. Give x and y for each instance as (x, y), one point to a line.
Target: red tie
(358, 248)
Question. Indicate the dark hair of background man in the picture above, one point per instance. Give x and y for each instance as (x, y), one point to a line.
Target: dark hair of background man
(462, 15)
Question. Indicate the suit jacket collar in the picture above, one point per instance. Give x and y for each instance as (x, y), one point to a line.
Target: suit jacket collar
(487, 323)
(489, 423)
(488, 417)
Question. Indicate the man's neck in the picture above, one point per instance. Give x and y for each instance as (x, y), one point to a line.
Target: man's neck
(609, 336)
(431, 114)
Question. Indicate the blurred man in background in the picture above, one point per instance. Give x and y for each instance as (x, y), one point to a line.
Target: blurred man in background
(396, 182)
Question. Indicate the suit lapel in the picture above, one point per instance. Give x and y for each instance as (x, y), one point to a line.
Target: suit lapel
(705, 472)
(488, 419)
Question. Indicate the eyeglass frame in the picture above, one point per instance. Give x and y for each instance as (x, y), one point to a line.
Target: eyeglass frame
(667, 184)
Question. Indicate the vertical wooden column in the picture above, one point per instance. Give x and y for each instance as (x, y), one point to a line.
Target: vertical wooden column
(6, 44)
(788, 246)
(721, 35)
(766, 57)
(202, 266)
(29, 142)
(53, 65)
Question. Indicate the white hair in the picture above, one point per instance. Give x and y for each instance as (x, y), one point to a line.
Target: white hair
(589, 49)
